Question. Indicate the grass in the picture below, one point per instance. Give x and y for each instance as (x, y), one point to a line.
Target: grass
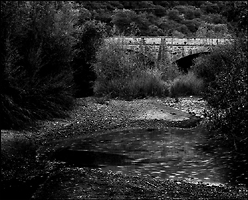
(186, 85)
(138, 86)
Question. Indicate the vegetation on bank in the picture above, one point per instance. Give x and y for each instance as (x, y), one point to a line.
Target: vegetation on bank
(52, 52)
(46, 50)
(123, 74)
(128, 75)
(226, 93)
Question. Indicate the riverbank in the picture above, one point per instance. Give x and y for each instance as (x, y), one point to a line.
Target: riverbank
(94, 115)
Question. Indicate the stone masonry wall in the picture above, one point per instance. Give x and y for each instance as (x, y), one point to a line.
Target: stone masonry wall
(171, 48)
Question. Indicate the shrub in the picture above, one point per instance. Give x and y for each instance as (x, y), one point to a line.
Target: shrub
(138, 86)
(186, 85)
(124, 74)
(227, 95)
(36, 78)
(149, 83)
(115, 62)
(229, 117)
(208, 66)
(90, 37)
(169, 71)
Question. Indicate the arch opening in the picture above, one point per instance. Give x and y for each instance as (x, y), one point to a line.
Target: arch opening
(185, 63)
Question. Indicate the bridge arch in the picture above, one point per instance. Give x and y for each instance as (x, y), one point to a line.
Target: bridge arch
(185, 63)
(184, 52)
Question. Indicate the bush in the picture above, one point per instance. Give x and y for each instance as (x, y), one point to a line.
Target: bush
(229, 117)
(115, 62)
(228, 93)
(186, 85)
(169, 71)
(208, 66)
(139, 86)
(124, 74)
(90, 37)
(148, 83)
(36, 78)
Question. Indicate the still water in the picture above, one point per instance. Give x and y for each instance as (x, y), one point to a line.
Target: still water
(172, 153)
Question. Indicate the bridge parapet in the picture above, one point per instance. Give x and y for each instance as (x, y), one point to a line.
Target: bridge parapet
(169, 40)
(169, 47)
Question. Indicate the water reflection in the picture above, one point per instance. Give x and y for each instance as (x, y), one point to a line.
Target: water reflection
(173, 153)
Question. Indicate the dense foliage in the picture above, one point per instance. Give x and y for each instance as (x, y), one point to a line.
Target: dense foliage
(173, 18)
(126, 75)
(46, 53)
(36, 78)
(225, 73)
(228, 119)
(90, 38)
(209, 65)
(228, 95)
(186, 85)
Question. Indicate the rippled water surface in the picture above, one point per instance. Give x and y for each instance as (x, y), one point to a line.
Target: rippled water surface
(173, 153)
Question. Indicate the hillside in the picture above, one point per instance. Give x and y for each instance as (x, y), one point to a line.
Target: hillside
(171, 18)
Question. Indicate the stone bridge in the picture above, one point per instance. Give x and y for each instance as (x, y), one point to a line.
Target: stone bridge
(168, 48)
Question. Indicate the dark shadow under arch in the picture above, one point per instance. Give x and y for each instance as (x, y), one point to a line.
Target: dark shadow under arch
(186, 62)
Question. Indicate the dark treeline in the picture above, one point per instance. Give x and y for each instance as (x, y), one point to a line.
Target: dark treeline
(172, 18)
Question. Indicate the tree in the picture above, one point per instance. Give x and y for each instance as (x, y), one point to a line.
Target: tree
(174, 14)
(84, 15)
(141, 24)
(151, 18)
(212, 30)
(209, 7)
(103, 15)
(155, 31)
(128, 22)
(122, 19)
(235, 13)
(90, 37)
(192, 25)
(213, 18)
(36, 51)
(178, 34)
(159, 11)
(184, 29)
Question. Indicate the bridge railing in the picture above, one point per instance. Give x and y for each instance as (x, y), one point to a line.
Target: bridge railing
(169, 41)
